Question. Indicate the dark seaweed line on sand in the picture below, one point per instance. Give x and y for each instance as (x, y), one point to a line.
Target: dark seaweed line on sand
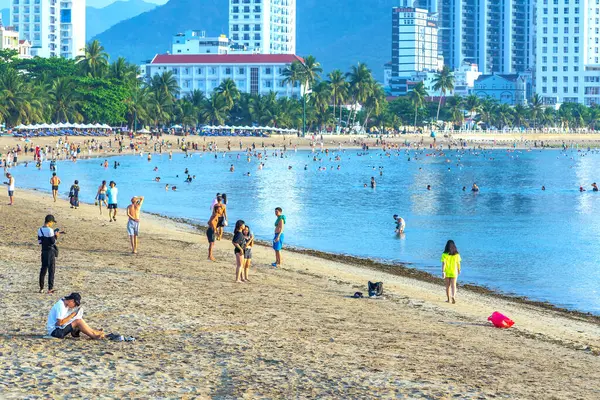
(403, 269)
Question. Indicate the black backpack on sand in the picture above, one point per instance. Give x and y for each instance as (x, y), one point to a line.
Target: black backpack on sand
(375, 289)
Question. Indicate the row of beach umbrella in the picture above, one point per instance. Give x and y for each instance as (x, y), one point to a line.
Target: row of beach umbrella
(248, 128)
(62, 126)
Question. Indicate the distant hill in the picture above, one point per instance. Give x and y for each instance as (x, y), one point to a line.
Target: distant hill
(100, 19)
(339, 33)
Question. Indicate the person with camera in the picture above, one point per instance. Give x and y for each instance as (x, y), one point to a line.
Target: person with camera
(47, 236)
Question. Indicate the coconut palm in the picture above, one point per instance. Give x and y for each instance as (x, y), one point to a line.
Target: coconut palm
(94, 61)
(312, 71)
(360, 80)
(64, 101)
(166, 84)
(215, 109)
(138, 106)
(339, 89)
(444, 82)
(230, 91)
(417, 98)
(536, 107)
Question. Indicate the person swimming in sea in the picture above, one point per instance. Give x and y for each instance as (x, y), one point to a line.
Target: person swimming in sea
(167, 187)
(373, 183)
(186, 171)
(157, 179)
(400, 224)
(428, 187)
(581, 189)
(475, 188)
(543, 187)
(174, 188)
(594, 187)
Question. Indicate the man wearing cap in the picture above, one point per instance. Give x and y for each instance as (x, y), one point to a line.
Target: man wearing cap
(61, 322)
(47, 236)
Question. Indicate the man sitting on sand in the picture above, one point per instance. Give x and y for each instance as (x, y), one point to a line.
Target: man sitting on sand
(61, 322)
(133, 225)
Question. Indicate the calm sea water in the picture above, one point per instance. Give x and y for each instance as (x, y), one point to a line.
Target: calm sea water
(512, 236)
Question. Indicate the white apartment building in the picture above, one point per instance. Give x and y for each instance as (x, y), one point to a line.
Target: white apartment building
(496, 35)
(414, 43)
(196, 42)
(252, 73)
(568, 57)
(53, 27)
(464, 80)
(264, 26)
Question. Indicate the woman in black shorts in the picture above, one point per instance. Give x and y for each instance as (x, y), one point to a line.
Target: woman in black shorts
(238, 244)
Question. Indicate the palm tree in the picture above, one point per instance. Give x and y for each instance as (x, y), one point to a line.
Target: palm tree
(166, 84)
(360, 80)
(456, 104)
(138, 106)
(375, 102)
(215, 109)
(444, 82)
(535, 108)
(519, 115)
(339, 89)
(230, 91)
(64, 101)
(321, 98)
(17, 102)
(312, 71)
(95, 60)
(417, 98)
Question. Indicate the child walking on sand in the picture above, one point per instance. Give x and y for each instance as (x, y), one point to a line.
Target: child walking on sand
(450, 269)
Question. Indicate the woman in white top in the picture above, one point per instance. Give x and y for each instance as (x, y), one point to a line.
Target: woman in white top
(11, 187)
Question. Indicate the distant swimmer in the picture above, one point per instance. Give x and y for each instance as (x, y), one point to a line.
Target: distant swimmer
(155, 169)
(289, 167)
(232, 168)
(174, 188)
(428, 187)
(475, 188)
(157, 179)
(594, 187)
(400, 224)
(543, 187)
(167, 187)
(464, 188)
(373, 183)
(105, 164)
(581, 189)
(186, 171)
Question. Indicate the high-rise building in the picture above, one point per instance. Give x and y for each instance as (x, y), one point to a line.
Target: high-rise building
(414, 44)
(53, 27)
(497, 35)
(568, 58)
(264, 26)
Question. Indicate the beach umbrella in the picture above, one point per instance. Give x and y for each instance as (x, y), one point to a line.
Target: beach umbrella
(21, 126)
(177, 126)
(105, 126)
(53, 126)
(97, 125)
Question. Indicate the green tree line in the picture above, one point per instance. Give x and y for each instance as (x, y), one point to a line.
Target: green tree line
(90, 89)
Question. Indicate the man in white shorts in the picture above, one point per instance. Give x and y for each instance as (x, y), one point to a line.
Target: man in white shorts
(133, 225)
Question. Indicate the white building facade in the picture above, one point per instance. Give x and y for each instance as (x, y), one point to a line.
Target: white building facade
(252, 73)
(263, 26)
(497, 35)
(414, 45)
(568, 57)
(53, 27)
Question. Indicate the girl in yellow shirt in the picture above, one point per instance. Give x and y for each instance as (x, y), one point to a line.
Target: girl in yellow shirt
(450, 269)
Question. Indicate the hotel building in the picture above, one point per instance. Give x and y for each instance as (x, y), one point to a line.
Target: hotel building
(263, 26)
(53, 27)
(568, 58)
(252, 73)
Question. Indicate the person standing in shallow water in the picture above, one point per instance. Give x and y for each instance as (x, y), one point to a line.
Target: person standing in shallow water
(450, 269)
(278, 238)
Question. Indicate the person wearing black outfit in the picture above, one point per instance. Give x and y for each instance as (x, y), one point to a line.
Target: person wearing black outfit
(47, 237)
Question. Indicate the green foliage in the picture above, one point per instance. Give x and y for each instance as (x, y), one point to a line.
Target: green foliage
(102, 100)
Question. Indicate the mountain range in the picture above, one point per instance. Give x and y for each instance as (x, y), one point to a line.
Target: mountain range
(339, 33)
(100, 19)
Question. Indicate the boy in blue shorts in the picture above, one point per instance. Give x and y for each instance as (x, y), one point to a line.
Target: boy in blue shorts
(278, 238)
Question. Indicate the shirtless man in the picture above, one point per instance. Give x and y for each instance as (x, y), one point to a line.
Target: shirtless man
(133, 225)
(211, 231)
(54, 181)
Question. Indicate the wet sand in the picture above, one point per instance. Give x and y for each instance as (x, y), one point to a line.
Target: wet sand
(291, 333)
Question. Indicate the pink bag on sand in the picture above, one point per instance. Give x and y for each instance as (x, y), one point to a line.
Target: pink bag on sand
(500, 320)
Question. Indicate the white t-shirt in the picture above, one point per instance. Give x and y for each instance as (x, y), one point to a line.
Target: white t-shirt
(58, 311)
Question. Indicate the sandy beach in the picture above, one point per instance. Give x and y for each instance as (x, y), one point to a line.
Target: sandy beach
(291, 333)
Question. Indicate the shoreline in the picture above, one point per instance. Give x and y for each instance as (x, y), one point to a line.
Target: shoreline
(402, 269)
(294, 332)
